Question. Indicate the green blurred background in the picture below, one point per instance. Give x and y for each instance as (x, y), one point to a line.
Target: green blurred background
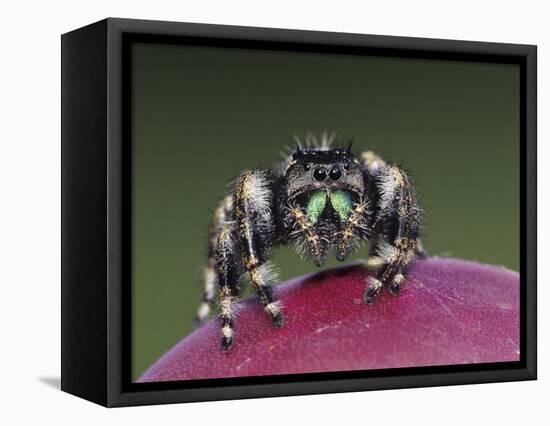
(200, 115)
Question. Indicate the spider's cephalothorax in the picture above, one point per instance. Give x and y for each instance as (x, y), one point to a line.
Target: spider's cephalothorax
(321, 198)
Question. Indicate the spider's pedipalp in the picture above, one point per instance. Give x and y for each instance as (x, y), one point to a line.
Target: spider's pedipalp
(355, 230)
(308, 241)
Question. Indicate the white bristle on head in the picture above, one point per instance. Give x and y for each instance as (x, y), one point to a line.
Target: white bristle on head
(323, 143)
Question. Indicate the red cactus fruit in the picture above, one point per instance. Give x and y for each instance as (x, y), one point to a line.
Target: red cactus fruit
(449, 311)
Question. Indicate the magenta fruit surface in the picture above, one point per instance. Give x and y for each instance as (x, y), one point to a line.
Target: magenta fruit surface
(449, 311)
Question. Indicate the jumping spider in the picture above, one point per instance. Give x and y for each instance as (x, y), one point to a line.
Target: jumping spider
(320, 197)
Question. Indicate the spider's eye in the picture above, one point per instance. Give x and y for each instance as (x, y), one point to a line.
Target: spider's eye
(319, 174)
(307, 167)
(335, 173)
(346, 167)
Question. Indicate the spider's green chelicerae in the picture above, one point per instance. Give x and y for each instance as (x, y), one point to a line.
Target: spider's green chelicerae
(320, 198)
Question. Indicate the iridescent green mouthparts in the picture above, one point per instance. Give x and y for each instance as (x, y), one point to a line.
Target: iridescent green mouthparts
(340, 201)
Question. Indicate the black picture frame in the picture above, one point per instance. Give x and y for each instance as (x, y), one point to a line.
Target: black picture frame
(96, 211)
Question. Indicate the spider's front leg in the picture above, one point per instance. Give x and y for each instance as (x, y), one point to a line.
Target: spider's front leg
(396, 226)
(256, 228)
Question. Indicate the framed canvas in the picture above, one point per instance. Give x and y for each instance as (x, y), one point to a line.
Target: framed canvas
(413, 161)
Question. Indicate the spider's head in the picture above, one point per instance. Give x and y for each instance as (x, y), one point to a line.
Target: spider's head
(318, 169)
(321, 174)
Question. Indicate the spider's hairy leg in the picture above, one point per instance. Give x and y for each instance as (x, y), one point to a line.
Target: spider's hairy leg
(255, 224)
(228, 280)
(222, 214)
(372, 162)
(376, 166)
(416, 250)
(374, 262)
(399, 275)
(397, 226)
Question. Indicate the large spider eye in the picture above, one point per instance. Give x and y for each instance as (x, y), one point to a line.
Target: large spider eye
(335, 173)
(319, 174)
